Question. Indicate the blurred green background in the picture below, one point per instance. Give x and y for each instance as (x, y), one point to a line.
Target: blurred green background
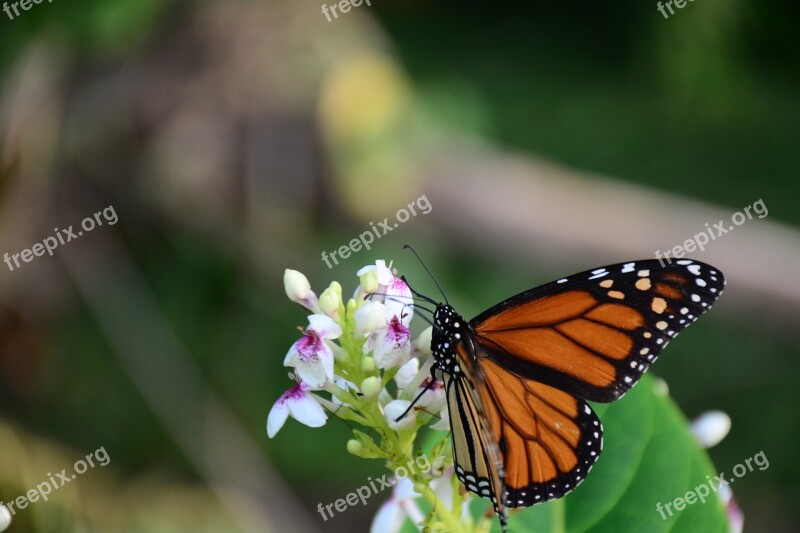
(237, 139)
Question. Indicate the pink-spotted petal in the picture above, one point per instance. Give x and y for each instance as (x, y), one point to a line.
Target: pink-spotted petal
(277, 417)
(399, 301)
(298, 403)
(307, 411)
(324, 326)
(393, 345)
(434, 398)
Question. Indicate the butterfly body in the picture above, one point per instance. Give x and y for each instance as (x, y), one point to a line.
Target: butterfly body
(518, 376)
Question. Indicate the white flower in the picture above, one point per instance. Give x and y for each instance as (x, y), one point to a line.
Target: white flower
(298, 289)
(398, 301)
(402, 504)
(311, 355)
(385, 275)
(370, 317)
(393, 512)
(407, 373)
(394, 409)
(392, 345)
(711, 427)
(434, 398)
(298, 403)
(735, 516)
(5, 518)
(395, 293)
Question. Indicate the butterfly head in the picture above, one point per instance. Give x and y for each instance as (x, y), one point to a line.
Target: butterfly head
(449, 329)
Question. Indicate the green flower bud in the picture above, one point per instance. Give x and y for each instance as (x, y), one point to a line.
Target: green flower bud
(355, 447)
(330, 300)
(369, 281)
(371, 387)
(368, 365)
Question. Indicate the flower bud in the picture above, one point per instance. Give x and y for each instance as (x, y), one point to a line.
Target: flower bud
(368, 365)
(299, 290)
(711, 427)
(369, 281)
(296, 285)
(422, 344)
(330, 300)
(371, 387)
(355, 447)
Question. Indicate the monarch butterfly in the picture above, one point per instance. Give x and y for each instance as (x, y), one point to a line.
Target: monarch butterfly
(518, 376)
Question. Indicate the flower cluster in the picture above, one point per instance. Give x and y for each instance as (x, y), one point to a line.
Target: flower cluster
(358, 362)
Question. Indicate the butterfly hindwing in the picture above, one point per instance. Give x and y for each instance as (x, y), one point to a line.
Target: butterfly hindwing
(595, 333)
(549, 439)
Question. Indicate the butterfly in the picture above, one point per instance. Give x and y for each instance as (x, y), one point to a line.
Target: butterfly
(518, 376)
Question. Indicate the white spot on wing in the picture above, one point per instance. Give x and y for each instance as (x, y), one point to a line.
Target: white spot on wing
(599, 273)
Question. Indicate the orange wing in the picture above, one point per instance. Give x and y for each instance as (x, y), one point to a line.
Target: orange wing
(594, 334)
(549, 439)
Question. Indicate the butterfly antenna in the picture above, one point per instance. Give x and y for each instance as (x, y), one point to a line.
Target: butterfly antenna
(407, 246)
(423, 391)
(418, 295)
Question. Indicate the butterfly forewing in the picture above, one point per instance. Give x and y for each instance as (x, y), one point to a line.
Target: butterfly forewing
(595, 333)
